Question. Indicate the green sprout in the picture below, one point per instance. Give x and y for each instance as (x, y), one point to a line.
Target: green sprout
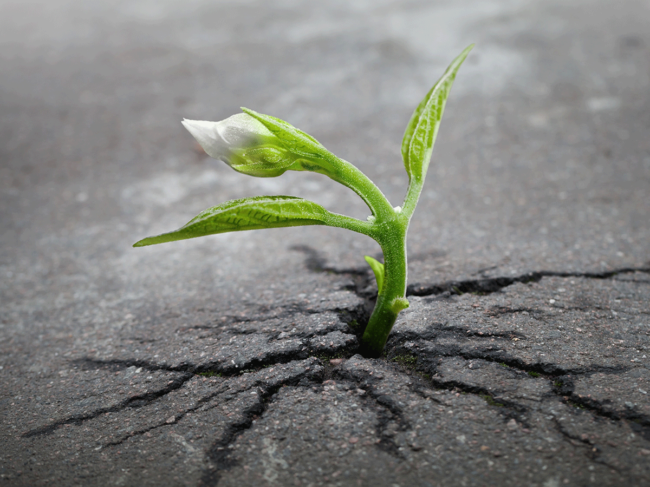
(264, 146)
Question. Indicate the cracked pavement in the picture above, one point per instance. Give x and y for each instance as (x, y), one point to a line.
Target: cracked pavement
(524, 358)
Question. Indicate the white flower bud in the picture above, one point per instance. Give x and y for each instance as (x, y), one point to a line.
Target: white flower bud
(243, 143)
(234, 134)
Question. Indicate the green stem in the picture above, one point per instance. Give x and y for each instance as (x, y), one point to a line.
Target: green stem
(391, 299)
(412, 196)
(349, 175)
(349, 223)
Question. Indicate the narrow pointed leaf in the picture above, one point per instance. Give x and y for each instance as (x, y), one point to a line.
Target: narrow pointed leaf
(378, 268)
(422, 129)
(247, 214)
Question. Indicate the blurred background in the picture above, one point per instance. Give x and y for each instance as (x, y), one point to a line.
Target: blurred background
(542, 161)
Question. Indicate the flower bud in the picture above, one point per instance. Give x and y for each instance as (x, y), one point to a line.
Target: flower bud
(243, 143)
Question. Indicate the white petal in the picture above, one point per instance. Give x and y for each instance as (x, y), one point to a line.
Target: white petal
(242, 131)
(207, 135)
(221, 139)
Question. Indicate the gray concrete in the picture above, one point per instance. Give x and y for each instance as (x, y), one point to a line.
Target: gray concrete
(232, 360)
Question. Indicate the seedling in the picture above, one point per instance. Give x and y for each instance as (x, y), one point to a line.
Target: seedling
(264, 146)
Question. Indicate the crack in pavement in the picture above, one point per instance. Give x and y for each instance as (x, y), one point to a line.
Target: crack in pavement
(219, 452)
(189, 370)
(228, 370)
(288, 311)
(221, 330)
(387, 410)
(639, 422)
(592, 449)
(555, 375)
(139, 400)
(514, 409)
(486, 354)
(490, 355)
(131, 402)
(494, 284)
(361, 276)
(177, 418)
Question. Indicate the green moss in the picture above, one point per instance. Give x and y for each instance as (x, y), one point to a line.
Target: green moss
(490, 400)
(558, 383)
(354, 324)
(324, 357)
(533, 374)
(210, 373)
(503, 364)
(406, 360)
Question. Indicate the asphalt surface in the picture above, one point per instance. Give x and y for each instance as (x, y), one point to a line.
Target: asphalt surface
(232, 360)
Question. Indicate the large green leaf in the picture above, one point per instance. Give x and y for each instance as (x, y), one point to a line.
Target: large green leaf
(422, 129)
(247, 214)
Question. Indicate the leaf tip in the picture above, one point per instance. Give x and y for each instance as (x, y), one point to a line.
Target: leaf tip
(378, 269)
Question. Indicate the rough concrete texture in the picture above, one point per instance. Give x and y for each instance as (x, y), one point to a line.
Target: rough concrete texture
(232, 360)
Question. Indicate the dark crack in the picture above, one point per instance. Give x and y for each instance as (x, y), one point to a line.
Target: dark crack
(220, 451)
(177, 418)
(278, 358)
(428, 370)
(591, 448)
(388, 412)
(504, 310)
(442, 330)
(494, 284)
(131, 402)
(564, 388)
(489, 397)
(489, 354)
(362, 278)
(561, 379)
(263, 314)
(225, 369)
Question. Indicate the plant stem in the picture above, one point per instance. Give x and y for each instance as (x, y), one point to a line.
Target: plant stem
(349, 223)
(357, 181)
(412, 196)
(391, 298)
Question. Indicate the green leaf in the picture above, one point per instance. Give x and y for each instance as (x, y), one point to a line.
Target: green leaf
(310, 155)
(247, 214)
(422, 129)
(378, 268)
(292, 138)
